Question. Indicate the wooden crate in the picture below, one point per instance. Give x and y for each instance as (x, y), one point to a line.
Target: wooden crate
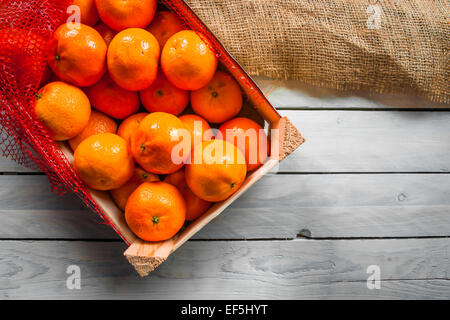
(284, 139)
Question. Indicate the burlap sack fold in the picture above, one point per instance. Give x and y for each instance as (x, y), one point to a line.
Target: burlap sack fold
(383, 46)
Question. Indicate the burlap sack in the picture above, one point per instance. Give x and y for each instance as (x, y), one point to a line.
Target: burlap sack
(393, 46)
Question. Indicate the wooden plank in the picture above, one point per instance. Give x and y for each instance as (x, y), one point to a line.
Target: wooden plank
(28, 209)
(349, 141)
(291, 94)
(410, 269)
(365, 141)
(7, 165)
(277, 206)
(370, 141)
(323, 206)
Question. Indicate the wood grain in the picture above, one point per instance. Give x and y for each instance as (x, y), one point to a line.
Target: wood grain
(371, 168)
(289, 94)
(277, 206)
(370, 141)
(7, 165)
(219, 270)
(364, 141)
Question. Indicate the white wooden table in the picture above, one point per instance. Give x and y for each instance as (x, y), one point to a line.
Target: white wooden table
(370, 187)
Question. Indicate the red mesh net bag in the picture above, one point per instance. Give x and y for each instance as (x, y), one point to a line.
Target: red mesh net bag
(26, 28)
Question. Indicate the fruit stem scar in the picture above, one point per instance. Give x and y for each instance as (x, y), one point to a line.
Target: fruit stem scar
(142, 147)
(155, 220)
(159, 93)
(38, 95)
(214, 94)
(57, 57)
(233, 184)
(144, 175)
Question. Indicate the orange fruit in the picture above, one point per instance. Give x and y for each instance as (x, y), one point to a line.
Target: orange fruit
(21, 48)
(129, 126)
(107, 97)
(120, 14)
(198, 128)
(159, 144)
(103, 161)
(187, 61)
(106, 32)
(77, 55)
(218, 170)
(218, 101)
(155, 211)
(88, 11)
(164, 25)
(98, 123)
(63, 109)
(195, 206)
(121, 195)
(132, 59)
(164, 97)
(249, 137)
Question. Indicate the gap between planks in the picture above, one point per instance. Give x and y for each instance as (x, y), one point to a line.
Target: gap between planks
(7, 173)
(298, 238)
(305, 108)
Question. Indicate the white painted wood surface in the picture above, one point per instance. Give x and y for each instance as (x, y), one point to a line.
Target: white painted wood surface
(371, 141)
(371, 186)
(291, 94)
(278, 206)
(416, 268)
(364, 141)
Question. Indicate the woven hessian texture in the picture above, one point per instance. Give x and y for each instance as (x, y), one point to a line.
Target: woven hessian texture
(383, 46)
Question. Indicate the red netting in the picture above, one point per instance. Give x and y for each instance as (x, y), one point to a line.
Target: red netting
(25, 30)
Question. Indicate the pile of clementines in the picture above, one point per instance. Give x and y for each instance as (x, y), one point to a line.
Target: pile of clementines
(140, 69)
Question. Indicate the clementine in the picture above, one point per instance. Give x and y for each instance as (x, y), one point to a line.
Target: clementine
(160, 144)
(164, 25)
(132, 59)
(129, 126)
(218, 170)
(103, 161)
(77, 55)
(107, 97)
(187, 60)
(121, 195)
(155, 211)
(164, 97)
(218, 101)
(98, 123)
(106, 32)
(120, 14)
(198, 128)
(63, 109)
(88, 11)
(249, 137)
(195, 206)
